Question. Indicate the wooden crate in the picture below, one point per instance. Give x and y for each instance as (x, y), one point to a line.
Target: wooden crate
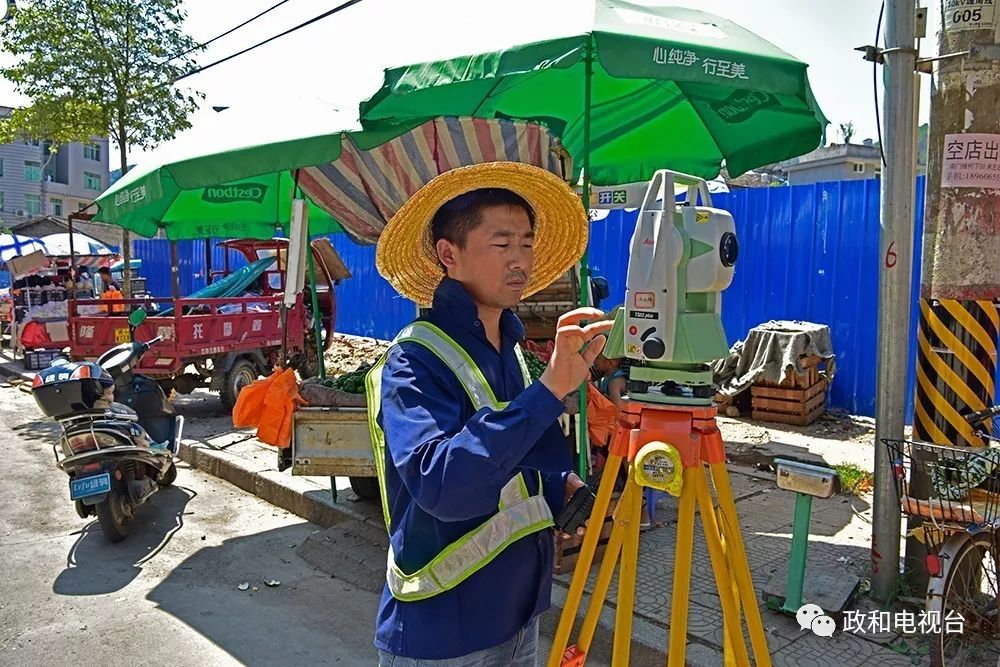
(567, 551)
(809, 376)
(793, 420)
(799, 407)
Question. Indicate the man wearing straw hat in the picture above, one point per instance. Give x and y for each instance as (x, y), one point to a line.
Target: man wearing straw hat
(471, 461)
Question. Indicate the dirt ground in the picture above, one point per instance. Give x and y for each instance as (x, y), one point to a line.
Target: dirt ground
(347, 352)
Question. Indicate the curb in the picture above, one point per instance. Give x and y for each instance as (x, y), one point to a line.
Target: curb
(296, 495)
(7, 371)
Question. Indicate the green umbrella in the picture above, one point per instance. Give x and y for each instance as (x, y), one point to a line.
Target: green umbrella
(245, 192)
(646, 88)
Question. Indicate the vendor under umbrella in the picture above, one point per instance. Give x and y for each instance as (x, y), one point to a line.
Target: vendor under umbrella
(111, 291)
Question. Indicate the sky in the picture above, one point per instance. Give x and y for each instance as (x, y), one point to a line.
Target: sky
(312, 80)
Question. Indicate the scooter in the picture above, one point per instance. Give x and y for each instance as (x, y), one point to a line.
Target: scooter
(119, 431)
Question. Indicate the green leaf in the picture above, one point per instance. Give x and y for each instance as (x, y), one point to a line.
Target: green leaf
(900, 646)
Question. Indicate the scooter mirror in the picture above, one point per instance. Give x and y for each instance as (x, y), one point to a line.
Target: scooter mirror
(137, 317)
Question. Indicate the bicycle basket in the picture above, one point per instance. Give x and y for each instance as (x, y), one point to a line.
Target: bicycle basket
(963, 485)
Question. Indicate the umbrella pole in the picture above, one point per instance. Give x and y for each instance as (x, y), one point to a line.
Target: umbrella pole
(582, 433)
(208, 262)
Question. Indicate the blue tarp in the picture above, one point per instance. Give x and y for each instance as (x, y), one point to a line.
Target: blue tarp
(233, 285)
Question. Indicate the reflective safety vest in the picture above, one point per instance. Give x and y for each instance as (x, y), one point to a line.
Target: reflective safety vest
(518, 513)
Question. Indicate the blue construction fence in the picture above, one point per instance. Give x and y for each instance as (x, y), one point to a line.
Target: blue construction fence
(807, 252)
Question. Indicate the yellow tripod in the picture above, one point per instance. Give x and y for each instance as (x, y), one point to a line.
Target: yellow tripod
(666, 447)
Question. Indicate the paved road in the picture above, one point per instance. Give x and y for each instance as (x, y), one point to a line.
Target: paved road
(168, 594)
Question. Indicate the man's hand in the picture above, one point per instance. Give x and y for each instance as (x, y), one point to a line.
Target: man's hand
(576, 348)
(573, 482)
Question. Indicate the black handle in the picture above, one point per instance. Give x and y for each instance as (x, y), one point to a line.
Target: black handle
(576, 511)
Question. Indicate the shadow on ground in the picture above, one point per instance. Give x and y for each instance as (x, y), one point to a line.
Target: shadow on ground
(95, 566)
(308, 618)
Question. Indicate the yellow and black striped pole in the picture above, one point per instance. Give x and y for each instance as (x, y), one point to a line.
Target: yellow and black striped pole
(956, 366)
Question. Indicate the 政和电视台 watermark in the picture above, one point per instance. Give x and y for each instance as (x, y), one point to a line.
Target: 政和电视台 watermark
(812, 617)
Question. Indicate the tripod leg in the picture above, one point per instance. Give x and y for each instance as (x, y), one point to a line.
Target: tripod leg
(584, 560)
(728, 659)
(682, 572)
(732, 627)
(740, 565)
(627, 575)
(607, 570)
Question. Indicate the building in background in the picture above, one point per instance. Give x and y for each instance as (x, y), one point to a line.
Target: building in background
(836, 162)
(35, 182)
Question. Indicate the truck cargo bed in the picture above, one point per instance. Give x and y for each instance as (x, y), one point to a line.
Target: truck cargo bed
(332, 442)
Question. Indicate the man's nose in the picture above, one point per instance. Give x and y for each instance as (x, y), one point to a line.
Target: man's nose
(521, 260)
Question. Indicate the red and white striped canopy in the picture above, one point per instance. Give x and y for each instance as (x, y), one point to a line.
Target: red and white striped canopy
(363, 188)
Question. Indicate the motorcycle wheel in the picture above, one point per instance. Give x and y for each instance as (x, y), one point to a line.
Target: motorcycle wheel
(169, 477)
(113, 516)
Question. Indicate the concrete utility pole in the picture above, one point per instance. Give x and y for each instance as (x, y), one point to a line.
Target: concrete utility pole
(896, 241)
(956, 352)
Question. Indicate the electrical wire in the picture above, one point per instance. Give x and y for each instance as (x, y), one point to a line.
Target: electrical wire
(878, 111)
(325, 14)
(228, 32)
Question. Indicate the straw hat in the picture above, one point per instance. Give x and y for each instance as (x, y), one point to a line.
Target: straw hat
(405, 255)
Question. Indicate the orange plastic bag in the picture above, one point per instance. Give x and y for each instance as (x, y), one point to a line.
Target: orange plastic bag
(280, 401)
(250, 402)
(601, 415)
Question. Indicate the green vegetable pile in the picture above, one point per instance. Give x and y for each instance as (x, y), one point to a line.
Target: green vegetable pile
(350, 383)
(535, 365)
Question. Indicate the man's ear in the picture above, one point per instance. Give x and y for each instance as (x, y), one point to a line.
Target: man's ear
(446, 251)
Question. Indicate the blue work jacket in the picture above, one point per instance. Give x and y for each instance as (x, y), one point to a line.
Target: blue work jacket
(445, 466)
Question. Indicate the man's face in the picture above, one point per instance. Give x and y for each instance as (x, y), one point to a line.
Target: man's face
(495, 264)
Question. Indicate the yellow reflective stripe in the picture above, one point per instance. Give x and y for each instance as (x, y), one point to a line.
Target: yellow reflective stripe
(453, 566)
(465, 357)
(471, 366)
(373, 400)
(455, 358)
(513, 492)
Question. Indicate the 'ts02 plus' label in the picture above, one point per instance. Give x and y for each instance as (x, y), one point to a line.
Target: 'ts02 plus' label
(639, 315)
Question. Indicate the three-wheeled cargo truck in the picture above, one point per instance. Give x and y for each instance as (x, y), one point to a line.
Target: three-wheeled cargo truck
(222, 342)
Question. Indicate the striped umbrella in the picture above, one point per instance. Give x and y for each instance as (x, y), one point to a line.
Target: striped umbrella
(363, 189)
(58, 245)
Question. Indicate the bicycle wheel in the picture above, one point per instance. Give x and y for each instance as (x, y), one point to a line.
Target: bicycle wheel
(970, 589)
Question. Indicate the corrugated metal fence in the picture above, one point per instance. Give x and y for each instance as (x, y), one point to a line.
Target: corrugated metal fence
(155, 256)
(807, 252)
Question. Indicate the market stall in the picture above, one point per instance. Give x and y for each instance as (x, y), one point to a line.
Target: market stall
(43, 283)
